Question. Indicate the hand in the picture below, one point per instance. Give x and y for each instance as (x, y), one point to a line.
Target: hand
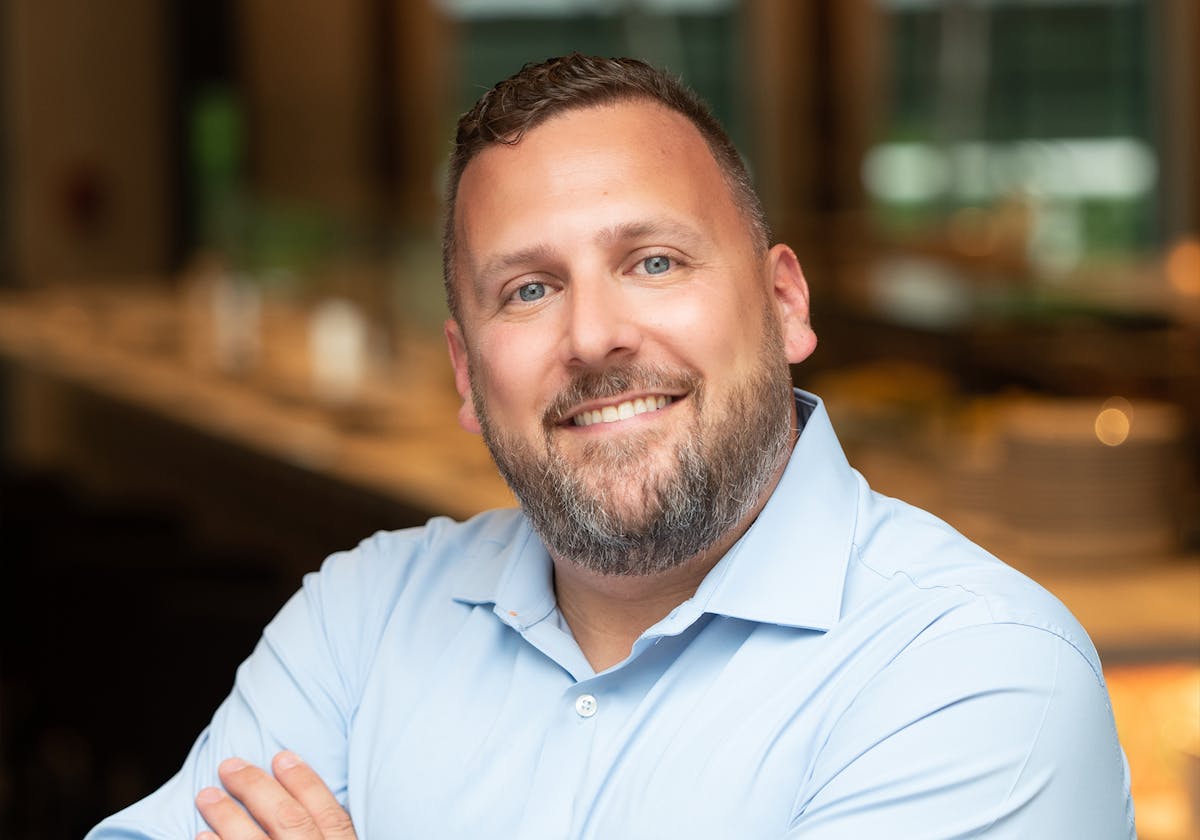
(294, 805)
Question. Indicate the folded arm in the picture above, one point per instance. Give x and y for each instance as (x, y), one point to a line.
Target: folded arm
(297, 691)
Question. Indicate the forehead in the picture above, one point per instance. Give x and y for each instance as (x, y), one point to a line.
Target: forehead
(600, 165)
(640, 130)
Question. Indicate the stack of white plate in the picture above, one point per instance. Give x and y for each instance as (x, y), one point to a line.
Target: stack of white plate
(1092, 479)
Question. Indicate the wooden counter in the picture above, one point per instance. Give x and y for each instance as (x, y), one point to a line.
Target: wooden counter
(416, 454)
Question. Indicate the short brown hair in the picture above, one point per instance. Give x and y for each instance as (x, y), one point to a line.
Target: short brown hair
(538, 92)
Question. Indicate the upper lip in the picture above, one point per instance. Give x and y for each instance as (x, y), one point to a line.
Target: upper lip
(629, 396)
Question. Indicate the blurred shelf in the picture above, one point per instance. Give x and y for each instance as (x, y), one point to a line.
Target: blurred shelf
(418, 457)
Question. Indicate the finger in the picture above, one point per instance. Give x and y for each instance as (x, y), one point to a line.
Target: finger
(276, 810)
(310, 790)
(225, 817)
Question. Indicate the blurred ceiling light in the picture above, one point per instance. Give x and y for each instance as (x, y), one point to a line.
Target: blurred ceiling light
(972, 176)
(1071, 168)
(1114, 421)
(1100, 167)
(906, 172)
(920, 293)
(1183, 266)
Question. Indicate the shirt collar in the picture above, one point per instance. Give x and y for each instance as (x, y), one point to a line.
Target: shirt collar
(509, 568)
(788, 568)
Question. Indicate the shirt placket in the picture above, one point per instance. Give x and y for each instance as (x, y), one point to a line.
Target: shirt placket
(563, 764)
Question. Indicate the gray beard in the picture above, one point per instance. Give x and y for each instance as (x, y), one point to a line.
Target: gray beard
(719, 475)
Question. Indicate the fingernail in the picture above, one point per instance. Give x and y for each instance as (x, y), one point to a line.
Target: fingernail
(232, 765)
(209, 796)
(286, 760)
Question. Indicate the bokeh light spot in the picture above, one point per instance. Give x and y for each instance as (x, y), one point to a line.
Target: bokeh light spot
(1183, 267)
(1114, 421)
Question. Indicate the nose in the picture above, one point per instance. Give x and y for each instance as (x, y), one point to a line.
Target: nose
(601, 327)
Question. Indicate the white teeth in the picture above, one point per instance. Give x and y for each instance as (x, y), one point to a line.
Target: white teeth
(621, 411)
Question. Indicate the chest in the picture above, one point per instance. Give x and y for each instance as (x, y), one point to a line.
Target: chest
(706, 734)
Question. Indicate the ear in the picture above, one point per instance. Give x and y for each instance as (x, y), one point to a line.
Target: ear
(457, 346)
(789, 290)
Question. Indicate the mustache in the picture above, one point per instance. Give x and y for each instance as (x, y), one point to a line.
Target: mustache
(602, 384)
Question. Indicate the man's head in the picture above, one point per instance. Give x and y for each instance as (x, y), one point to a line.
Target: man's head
(622, 333)
(541, 91)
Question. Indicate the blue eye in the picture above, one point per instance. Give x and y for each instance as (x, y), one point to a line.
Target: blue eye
(531, 292)
(656, 265)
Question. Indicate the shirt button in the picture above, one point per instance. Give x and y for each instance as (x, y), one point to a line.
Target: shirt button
(585, 705)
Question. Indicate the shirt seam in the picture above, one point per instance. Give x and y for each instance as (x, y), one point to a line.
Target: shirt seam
(1045, 626)
(801, 800)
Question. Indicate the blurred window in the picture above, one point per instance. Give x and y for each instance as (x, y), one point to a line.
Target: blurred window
(1040, 110)
(696, 39)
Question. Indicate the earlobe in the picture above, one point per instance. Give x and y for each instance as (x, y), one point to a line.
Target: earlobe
(789, 291)
(457, 347)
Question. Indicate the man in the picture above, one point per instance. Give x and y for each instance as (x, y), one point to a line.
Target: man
(702, 622)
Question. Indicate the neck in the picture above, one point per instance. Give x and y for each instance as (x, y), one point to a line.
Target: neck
(607, 613)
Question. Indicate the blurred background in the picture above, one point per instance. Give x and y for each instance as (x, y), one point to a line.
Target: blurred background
(220, 303)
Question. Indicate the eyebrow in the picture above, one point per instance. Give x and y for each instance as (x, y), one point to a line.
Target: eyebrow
(504, 263)
(681, 234)
(674, 231)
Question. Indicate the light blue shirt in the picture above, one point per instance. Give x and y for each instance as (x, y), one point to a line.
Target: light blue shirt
(852, 668)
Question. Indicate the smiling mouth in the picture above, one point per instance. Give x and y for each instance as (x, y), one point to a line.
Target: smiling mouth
(622, 410)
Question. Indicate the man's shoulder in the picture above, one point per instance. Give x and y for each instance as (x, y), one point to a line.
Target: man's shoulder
(423, 564)
(495, 528)
(415, 573)
(442, 546)
(920, 563)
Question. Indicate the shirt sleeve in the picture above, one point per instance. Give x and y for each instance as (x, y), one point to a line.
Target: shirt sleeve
(298, 690)
(998, 731)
